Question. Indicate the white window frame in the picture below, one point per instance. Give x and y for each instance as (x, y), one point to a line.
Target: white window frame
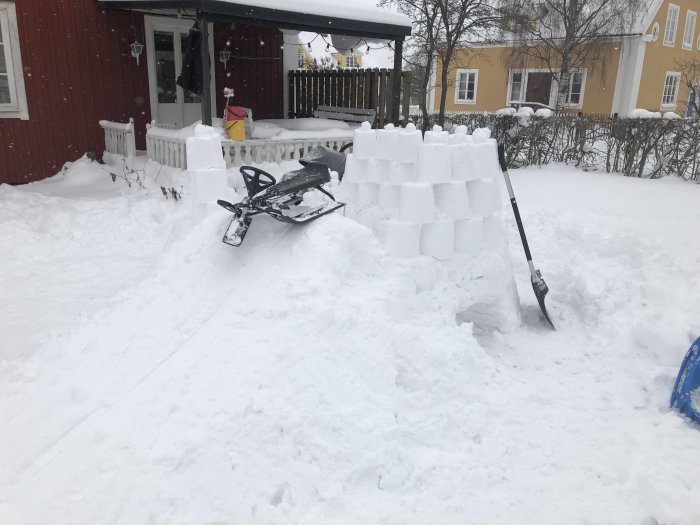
(301, 59)
(17, 108)
(476, 85)
(674, 104)
(355, 63)
(670, 40)
(523, 84)
(689, 31)
(584, 73)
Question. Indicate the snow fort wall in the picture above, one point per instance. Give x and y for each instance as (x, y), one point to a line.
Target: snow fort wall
(438, 197)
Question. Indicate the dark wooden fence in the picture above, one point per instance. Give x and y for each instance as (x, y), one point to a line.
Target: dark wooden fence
(347, 88)
(635, 147)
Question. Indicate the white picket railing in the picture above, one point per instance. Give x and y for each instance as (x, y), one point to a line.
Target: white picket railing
(242, 152)
(164, 149)
(119, 137)
(168, 147)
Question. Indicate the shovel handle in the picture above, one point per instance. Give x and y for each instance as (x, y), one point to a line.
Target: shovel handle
(502, 157)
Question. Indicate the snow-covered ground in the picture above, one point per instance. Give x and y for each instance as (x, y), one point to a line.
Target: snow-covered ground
(151, 374)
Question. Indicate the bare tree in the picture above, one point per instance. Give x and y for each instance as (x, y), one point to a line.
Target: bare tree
(566, 35)
(690, 78)
(422, 47)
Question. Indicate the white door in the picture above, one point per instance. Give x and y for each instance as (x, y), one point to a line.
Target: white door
(171, 105)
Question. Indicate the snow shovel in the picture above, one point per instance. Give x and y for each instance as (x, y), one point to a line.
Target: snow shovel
(686, 392)
(538, 284)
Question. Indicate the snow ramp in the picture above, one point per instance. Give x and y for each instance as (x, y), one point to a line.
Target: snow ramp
(276, 383)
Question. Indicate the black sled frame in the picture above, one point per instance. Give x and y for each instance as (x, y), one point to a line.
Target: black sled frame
(280, 200)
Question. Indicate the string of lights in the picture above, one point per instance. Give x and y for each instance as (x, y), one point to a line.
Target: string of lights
(337, 48)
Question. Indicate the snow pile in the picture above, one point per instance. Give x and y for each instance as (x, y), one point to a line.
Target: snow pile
(151, 374)
(670, 115)
(506, 112)
(640, 113)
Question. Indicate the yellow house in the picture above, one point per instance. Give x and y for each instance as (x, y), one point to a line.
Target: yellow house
(315, 50)
(635, 71)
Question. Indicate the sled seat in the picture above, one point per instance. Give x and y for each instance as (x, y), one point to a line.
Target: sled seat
(310, 176)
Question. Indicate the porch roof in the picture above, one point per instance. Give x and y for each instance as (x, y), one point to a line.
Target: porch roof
(343, 17)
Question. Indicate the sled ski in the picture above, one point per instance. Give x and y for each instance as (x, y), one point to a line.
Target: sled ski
(686, 391)
(538, 285)
(283, 200)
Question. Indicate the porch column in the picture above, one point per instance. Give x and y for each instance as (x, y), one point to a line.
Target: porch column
(206, 69)
(396, 81)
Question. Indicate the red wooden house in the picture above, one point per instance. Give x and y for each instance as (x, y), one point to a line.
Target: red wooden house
(67, 64)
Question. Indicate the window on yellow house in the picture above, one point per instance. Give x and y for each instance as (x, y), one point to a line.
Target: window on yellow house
(670, 96)
(465, 89)
(574, 97)
(301, 59)
(671, 25)
(517, 84)
(689, 33)
(352, 61)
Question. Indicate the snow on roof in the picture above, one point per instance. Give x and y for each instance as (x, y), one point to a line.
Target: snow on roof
(647, 15)
(352, 9)
(358, 10)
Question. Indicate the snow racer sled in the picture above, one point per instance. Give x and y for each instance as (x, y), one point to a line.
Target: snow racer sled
(686, 392)
(283, 200)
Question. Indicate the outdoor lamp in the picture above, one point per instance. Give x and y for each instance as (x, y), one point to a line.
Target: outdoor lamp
(136, 50)
(224, 57)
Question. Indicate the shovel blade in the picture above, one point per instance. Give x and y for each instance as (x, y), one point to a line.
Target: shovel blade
(541, 289)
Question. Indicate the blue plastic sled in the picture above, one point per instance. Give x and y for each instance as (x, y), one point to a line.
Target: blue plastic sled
(686, 393)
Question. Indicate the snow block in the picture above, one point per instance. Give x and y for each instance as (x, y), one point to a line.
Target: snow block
(204, 150)
(410, 139)
(493, 232)
(488, 159)
(402, 239)
(460, 136)
(388, 143)
(389, 196)
(483, 196)
(367, 194)
(437, 136)
(437, 239)
(365, 142)
(469, 236)
(378, 171)
(417, 203)
(434, 163)
(347, 192)
(452, 199)
(207, 185)
(355, 169)
(464, 162)
(400, 172)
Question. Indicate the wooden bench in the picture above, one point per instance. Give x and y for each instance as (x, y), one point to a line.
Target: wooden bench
(349, 115)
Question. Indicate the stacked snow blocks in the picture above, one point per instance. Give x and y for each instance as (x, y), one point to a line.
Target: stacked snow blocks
(206, 166)
(435, 195)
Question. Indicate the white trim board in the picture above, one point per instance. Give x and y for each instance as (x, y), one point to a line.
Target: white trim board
(20, 109)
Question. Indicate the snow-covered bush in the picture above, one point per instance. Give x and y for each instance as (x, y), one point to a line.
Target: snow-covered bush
(643, 145)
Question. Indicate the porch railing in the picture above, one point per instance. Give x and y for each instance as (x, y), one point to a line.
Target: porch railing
(168, 147)
(119, 137)
(238, 153)
(165, 147)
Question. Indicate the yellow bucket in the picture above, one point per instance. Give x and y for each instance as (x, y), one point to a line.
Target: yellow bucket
(235, 129)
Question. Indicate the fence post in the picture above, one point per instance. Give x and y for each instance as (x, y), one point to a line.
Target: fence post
(131, 140)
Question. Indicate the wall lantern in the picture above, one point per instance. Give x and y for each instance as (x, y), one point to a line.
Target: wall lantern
(136, 50)
(224, 57)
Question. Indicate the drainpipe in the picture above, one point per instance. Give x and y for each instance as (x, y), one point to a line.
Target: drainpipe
(396, 82)
(206, 69)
